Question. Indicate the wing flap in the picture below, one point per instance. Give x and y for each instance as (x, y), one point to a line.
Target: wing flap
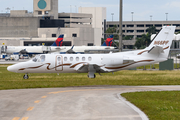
(85, 67)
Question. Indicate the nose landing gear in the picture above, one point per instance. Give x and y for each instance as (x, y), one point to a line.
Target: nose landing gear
(26, 76)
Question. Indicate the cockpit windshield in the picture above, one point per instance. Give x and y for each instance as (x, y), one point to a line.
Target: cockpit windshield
(39, 58)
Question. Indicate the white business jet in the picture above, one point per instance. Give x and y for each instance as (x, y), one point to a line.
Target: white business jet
(157, 51)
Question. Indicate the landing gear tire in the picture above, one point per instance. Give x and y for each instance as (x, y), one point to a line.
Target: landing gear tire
(26, 76)
(91, 77)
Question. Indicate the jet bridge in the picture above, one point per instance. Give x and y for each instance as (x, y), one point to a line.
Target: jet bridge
(3, 49)
(46, 49)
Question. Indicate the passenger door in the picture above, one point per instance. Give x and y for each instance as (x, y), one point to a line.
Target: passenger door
(59, 63)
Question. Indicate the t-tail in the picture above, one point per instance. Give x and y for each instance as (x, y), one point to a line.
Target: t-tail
(59, 41)
(161, 43)
(108, 41)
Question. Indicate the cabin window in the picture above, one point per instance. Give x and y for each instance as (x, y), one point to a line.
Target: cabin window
(42, 58)
(39, 58)
(34, 59)
(71, 58)
(59, 58)
(83, 59)
(65, 58)
(89, 58)
(77, 58)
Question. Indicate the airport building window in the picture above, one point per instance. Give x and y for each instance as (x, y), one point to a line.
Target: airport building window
(157, 31)
(130, 25)
(149, 25)
(90, 44)
(71, 58)
(139, 36)
(140, 31)
(83, 59)
(111, 25)
(177, 25)
(158, 25)
(65, 58)
(140, 25)
(77, 58)
(74, 35)
(46, 12)
(130, 31)
(177, 30)
(53, 35)
(39, 12)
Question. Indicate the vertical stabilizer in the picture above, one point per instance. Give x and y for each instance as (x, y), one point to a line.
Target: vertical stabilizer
(108, 41)
(162, 42)
(59, 41)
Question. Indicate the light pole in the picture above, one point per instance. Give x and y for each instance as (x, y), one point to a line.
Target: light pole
(120, 24)
(112, 15)
(76, 8)
(150, 17)
(166, 16)
(7, 9)
(132, 15)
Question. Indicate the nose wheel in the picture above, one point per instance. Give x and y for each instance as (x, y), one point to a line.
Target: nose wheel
(26, 76)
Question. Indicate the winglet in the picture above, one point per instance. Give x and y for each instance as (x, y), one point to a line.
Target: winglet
(59, 41)
(108, 41)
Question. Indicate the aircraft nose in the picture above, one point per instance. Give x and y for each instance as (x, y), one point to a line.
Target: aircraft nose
(11, 68)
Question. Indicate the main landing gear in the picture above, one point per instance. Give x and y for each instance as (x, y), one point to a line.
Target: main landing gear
(91, 71)
(26, 76)
(92, 76)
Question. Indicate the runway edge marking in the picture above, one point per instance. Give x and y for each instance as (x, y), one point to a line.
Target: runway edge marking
(141, 113)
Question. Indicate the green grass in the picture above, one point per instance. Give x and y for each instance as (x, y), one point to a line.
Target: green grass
(157, 105)
(10, 80)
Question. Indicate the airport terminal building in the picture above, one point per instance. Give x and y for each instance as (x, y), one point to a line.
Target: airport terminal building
(45, 24)
(87, 27)
(135, 29)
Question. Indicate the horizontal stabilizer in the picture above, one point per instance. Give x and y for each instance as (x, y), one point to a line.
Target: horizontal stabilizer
(156, 50)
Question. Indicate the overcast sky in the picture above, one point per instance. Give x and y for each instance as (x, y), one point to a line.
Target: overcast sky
(142, 9)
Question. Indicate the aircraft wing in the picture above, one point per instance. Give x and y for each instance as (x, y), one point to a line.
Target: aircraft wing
(89, 67)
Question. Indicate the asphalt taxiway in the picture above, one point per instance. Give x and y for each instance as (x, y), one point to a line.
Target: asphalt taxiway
(73, 103)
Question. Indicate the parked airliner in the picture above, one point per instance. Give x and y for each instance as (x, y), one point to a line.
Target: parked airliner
(157, 51)
(58, 48)
(81, 49)
(32, 49)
